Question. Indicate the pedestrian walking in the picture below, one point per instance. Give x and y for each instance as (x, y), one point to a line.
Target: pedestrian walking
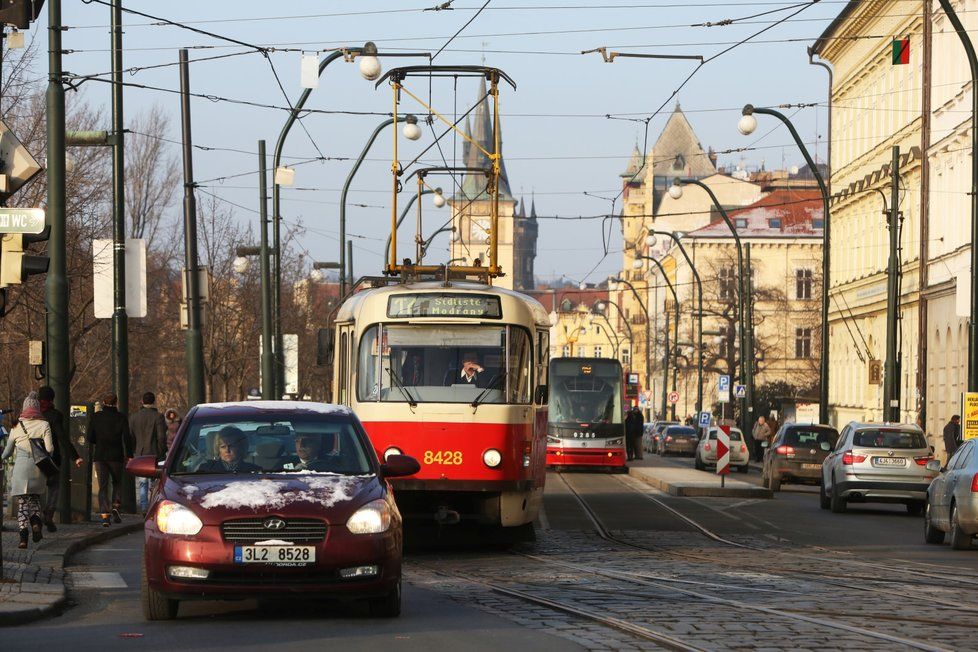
(952, 435)
(112, 446)
(173, 422)
(30, 441)
(149, 433)
(63, 450)
(761, 433)
(634, 426)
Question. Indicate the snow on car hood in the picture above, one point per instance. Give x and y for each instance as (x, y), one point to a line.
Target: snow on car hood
(322, 490)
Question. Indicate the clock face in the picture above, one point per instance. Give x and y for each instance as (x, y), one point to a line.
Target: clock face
(479, 230)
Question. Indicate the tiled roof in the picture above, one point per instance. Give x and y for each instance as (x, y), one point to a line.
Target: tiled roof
(678, 151)
(783, 213)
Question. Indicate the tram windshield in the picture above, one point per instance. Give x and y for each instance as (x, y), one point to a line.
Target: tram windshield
(444, 364)
(585, 391)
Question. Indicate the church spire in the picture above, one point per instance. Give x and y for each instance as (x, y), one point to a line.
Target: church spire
(480, 131)
(533, 205)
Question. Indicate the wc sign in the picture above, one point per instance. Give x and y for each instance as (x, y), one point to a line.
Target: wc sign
(21, 220)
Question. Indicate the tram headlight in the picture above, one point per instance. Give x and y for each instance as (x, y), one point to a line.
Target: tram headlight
(618, 441)
(553, 440)
(492, 458)
(392, 450)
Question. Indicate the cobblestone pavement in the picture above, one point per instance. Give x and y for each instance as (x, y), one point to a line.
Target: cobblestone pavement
(34, 578)
(714, 595)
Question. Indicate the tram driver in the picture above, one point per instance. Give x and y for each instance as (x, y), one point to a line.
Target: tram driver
(470, 371)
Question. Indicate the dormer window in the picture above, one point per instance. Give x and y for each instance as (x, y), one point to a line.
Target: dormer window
(741, 222)
(680, 162)
(774, 223)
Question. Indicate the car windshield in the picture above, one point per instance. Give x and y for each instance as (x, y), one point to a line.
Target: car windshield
(278, 444)
(889, 439)
(734, 435)
(680, 430)
(449, 364)
(813, 437)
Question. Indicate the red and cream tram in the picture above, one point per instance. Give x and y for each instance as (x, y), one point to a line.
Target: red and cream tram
(455, 375)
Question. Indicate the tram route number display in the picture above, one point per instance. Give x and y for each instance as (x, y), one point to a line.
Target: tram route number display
(446, 458)
(444, 305)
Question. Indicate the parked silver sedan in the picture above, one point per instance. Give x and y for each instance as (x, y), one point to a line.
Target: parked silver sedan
(877, 463)
(952, 500)
(706, 452)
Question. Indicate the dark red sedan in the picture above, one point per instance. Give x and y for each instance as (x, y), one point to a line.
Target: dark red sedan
(272, 498)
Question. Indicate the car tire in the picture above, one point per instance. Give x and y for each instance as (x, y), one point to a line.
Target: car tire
(823, 499)
(775, 483)
(931, 533)
(698, 464)
(744, 469)
(959, 540)
(388, 606)
(837, 503)
(915, 508)
(156, 606)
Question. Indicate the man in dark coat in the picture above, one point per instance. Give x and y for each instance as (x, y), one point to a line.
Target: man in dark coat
(54, 417)
(112, 446)
(952, 435)
(149, 432)
(634, 426)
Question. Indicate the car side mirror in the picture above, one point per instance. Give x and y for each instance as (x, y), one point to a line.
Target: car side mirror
(825, 446)
(934, 465)
(144, 466)
(542, 394)
(396, 466)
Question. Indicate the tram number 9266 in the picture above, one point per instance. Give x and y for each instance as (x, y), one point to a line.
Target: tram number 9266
(448, 458)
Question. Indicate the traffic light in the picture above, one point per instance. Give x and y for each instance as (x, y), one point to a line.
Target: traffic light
(20, 13)
(15, 264)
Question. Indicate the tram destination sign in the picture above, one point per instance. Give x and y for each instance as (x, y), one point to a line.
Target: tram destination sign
(21, 220)
(444, 304)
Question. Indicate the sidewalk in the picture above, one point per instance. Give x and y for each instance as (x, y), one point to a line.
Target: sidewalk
(34, 579)
(682, 481)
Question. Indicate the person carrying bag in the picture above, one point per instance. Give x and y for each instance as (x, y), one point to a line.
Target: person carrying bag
(31, 445)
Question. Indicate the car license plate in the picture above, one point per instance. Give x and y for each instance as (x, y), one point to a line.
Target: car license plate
(889, 461)
(811, 466)
(274, 554)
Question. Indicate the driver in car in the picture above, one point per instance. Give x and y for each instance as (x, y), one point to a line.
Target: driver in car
(231, 448)
(309, 454)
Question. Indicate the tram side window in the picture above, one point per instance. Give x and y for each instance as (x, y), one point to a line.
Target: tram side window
(519, 366)
(367, 387)
(344, 343)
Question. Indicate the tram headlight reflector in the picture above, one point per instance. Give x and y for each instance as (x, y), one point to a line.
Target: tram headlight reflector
(618, 441)
(392, 450)
(492, 458)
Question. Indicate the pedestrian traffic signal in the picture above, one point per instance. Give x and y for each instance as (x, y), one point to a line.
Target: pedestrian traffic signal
(15, 264)
(20, 13)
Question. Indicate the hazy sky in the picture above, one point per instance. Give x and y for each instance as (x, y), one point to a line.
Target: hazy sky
(557, 140)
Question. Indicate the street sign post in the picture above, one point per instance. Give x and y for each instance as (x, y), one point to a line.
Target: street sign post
(740, 391)
(21, 220)
(723, 453)
(673, 397)
(723, 389)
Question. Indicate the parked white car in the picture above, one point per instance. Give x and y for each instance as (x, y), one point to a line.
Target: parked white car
(706, 450)
(952, 499)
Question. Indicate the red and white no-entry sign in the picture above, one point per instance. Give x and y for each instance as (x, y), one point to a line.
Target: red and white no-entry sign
(723, 450)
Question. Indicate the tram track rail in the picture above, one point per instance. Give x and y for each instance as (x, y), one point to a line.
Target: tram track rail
(671, 584)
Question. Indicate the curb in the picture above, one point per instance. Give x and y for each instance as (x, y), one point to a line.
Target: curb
(687, 490)
(28, 615)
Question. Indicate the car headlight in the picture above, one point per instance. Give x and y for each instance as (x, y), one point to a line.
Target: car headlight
(372, 518)
(492, 458)
(615, 442)
(174, 518)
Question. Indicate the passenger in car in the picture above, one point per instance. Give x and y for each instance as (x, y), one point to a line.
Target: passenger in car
(231, 447)
(310, 455)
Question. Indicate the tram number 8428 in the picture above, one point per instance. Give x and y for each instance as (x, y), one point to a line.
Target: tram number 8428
(448, 458)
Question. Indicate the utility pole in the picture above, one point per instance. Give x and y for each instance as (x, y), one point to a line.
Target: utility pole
(195, 340)
(891, 400)
(267, 352)
(665, 370)
(56, 283)
(749, 343)
(349, 263)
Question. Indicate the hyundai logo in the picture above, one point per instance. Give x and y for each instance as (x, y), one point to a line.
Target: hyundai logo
(273, 523)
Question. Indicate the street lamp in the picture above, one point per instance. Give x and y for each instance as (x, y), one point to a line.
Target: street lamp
(746, 330)
(746, 126)
(598, 309)
(317, 275)
(614, 283)
(650, 241)
(637, 264)
(439, 199)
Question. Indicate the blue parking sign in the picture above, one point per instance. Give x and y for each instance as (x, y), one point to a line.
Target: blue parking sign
(724, 385)
(705, 418)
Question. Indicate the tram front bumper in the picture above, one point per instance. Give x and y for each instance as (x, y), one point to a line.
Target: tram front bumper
(585, 456)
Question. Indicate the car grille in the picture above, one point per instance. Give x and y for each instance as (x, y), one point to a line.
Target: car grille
(272, 579)
(295, 530)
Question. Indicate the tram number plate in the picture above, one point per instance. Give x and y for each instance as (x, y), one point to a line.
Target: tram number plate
(448, 458)
(274, 554)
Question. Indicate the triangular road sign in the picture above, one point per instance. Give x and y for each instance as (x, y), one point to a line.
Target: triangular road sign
(18, 164)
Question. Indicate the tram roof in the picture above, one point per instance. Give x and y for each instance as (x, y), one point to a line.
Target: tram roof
(531, 309)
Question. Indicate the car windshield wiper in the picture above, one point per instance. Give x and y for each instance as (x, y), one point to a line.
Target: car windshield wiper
(400, 386)
(492, 385)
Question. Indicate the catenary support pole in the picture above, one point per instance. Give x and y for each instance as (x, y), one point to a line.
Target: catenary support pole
(56, 282)
(195, 342)
(267, 351)
(749, 341)
(891, 404)
(665, 371)
(349, 262)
